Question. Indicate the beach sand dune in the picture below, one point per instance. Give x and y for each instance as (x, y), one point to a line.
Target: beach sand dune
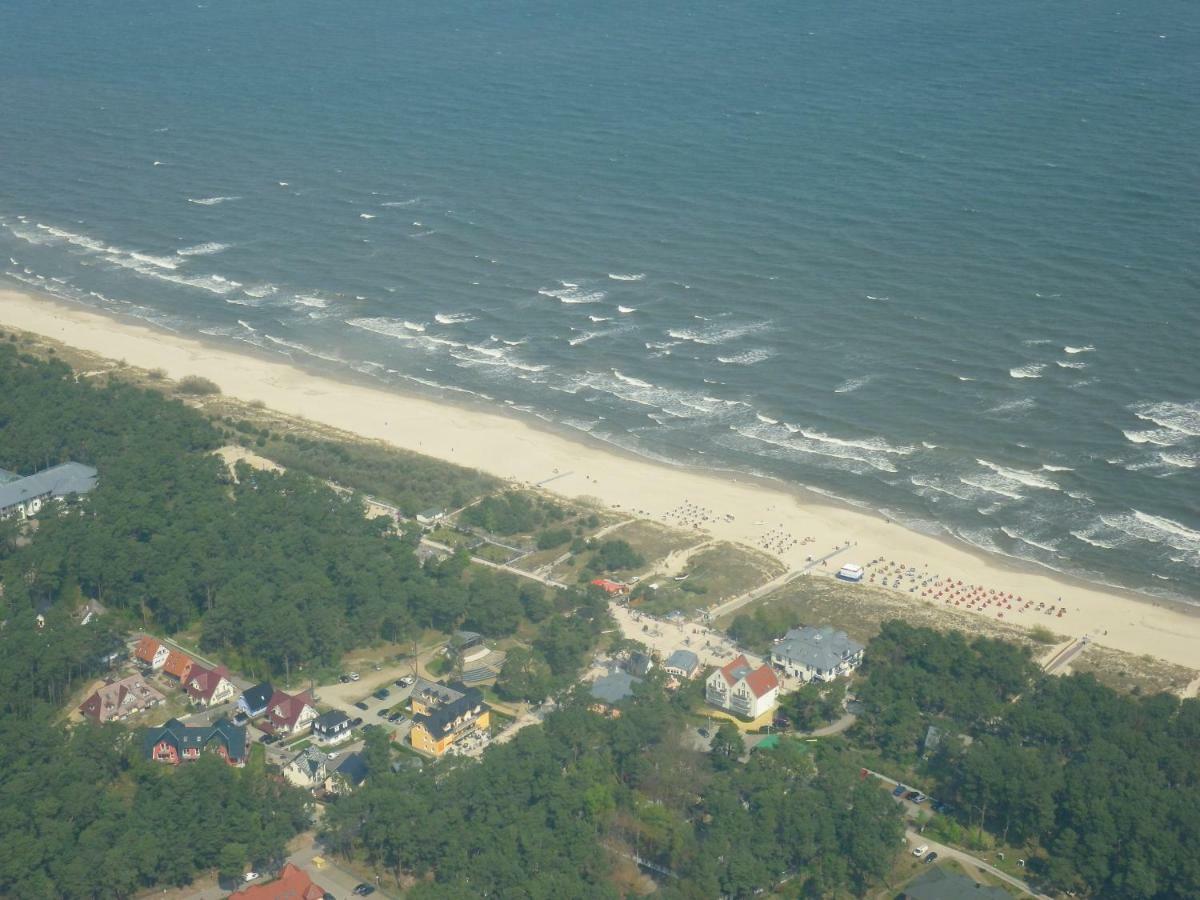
(788, 524)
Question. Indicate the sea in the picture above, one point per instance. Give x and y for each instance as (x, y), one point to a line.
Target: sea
(937, 259)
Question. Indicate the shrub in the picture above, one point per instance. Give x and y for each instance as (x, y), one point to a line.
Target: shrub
(197, 386)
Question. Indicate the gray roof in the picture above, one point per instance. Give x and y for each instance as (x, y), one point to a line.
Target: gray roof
(7, 476)
(57, 481)
(614, 687)
(683, 659)
(353, 768)
(819, 648)
(309, 760)
(938, 884)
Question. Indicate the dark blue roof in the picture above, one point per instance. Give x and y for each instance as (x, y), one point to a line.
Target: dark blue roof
(258, 696)
(354, 768)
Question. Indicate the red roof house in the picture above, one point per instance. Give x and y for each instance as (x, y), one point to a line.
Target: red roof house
(209, 687)
(738, 688)
(178, 665)
(150, 652)
(120, 699)
(292, 884)
(290, 713)
(610, 587)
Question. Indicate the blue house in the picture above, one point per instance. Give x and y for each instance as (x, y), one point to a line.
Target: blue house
(254, 701)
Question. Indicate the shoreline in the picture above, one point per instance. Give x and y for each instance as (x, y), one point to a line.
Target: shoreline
(740, 507)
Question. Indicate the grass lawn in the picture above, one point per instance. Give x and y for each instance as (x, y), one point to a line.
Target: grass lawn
(715, 574)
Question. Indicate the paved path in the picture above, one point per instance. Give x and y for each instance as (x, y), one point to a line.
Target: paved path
(945, 852)
(774, 584)
(1066, 654)
(532, 576)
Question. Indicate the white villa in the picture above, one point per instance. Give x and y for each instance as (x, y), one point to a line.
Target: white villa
(817, 654)
(742, 690)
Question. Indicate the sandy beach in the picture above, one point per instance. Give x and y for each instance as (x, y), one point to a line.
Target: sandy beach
(794, 527)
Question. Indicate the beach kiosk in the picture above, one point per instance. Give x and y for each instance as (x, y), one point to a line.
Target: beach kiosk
(851, 572)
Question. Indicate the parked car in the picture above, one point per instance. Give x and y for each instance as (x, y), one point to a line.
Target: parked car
(370, 726)
(406, 681)
(344, 679)
(900, 791)
(382, 712)
(361, 704)
(703, 732)
(930, 857)
(396, 717)
(239, 718)
(919, 798)
(356, 721)
(353, 676)
(921, 851)
(364, 889)
(268, 739)
(912, 795)
(382, 694)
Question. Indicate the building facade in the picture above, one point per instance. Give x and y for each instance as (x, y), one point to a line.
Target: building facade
(742, 690)
(443, 715)
(817, 654)
(175, 743)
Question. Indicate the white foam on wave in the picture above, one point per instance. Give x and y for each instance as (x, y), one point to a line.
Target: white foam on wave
(1049, 468)
(571, 293)
(766, 420)
(859, 454)
(717, 333)
(114, 254)
(366, 216)
(1033, 370)
(939, 486)
(1020, 476)
(1066, 364)
(311, 300)
(748, 358)
(1162, 437)
(1014, 406)
(599, 318)
(583, 338)
(402, 203)
(259, 291)
(414, 326)
(636, 276)
(992, 487)
(211, 201)
(1177, 421)
(1180, 459)
(635, 382)
(1140, 526)
(1090, 538)
(453, 318)
(852, 385)
(625, 310)
(1087, 349)
(302, 348)
(1024, 539)
(208, 248)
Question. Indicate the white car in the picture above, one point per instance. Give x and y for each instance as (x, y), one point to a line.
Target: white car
(354, 676)
(249, 876)
(921, 851)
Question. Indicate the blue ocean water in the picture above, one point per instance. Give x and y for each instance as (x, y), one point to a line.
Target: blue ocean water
(937, 259)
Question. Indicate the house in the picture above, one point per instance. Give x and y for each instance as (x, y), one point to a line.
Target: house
(254, 701)
(331, 727)
(608, 586)
(178, 665)
(430, 516)
(175, 742)
(350, 773)
(209, 687)
(683, 663)
(25, 497)
(120, 699)
(307, 768)
(611, 689)
(289, 714)
(445, 714)
(940, 884)
(742, 690)
(817, 654)
(151, 653)
(640, 663)
(292, 884)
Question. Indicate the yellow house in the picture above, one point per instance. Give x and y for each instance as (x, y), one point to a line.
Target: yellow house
(442, 716)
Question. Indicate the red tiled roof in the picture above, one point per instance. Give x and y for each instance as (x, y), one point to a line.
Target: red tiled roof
(146, 648)
(289, 707)
(292, 884)
(203, 682)
(728, 669)
(762, 680)
(611, 586)
(178, 664)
